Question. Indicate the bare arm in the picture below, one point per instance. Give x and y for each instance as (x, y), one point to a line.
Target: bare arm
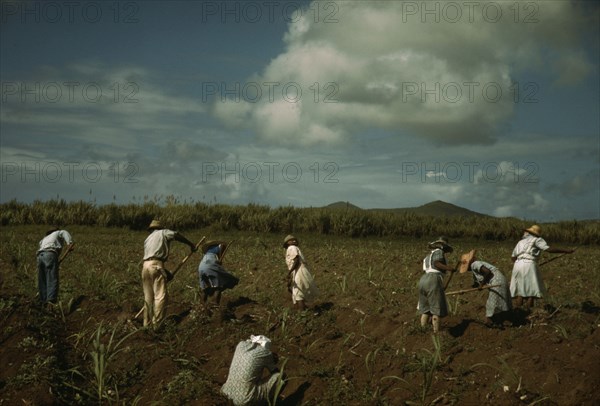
(559, 251)
(444, 267)
(295, 265)
(182, 239)
(487, 274)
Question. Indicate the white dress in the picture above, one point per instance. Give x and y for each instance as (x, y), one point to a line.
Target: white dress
(303, 285)
(526, 280)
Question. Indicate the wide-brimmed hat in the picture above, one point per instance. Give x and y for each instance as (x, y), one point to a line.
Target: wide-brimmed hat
(288, 239)
(155, 225)
(207, 245)
(534, 230)
(441, 242)
(466, 260)
(53, 229)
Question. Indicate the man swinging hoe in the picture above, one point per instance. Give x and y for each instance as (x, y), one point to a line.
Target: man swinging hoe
(154, 274)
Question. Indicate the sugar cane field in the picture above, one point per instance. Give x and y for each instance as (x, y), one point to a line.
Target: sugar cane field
(360, 344)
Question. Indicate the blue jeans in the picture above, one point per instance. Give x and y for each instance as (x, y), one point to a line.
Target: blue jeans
(48, 276)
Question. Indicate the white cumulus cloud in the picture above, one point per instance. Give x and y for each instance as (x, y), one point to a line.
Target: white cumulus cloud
(385, 65)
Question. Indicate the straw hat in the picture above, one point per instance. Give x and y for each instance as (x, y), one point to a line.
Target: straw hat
(212, 243)
(441, 242)
(466, 260)
(288, 239)
(155, 225)
(534, 230)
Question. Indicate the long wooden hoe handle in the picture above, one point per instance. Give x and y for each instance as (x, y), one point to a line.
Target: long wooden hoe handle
(458, 292)
(558, 256)
(448, 280)
(450, 277)
(184, 260)
(64, 255)
(140, 312)
(225, 250)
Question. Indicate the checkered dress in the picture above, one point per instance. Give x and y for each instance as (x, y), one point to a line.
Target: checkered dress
(498, 298)
(244, 385)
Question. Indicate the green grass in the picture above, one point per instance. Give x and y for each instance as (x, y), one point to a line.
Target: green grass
(263, 219)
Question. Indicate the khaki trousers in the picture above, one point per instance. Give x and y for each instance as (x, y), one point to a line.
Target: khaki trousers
(155, 292)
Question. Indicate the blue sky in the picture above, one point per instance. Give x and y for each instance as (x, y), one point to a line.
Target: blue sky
(493, 106)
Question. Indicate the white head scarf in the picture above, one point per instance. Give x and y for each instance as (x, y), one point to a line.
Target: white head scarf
(261, 340)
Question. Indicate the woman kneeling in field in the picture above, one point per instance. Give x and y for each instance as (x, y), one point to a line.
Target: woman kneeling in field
(432, 300)
(301, 283)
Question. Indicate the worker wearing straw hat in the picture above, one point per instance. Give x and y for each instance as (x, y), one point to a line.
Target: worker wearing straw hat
(432, 300)
(154, 274)
(526, 281)
(301, 282)
(484, 273)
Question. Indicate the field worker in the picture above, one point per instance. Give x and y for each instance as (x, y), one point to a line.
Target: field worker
(154, 275)
(526, 281)
(300, 282)
(432, 299)
(244, 385)
(498, 302)
(48, 256)
(214, 279)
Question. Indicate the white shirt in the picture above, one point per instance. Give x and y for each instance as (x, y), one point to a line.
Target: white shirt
(529, 248)
(429, 261)
(290, 255)
(55, 241)
(157, 244)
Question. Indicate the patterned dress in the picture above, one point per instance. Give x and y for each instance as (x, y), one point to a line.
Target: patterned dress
(243, 385)
(526, 280)
(303, 285)
(498, 298)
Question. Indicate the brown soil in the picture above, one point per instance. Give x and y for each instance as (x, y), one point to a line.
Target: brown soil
(349, 349)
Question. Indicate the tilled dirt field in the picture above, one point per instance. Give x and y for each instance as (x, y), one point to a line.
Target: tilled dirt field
(360, 343)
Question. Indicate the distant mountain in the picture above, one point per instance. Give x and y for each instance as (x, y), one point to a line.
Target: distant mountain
(342, 205)
(440, 208)
(437, 208)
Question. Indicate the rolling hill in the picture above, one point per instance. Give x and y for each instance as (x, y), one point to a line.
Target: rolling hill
(435, 208)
